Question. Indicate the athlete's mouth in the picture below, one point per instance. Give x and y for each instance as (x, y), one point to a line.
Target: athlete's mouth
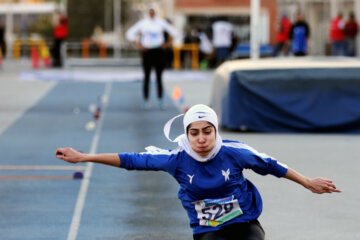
(202, 147)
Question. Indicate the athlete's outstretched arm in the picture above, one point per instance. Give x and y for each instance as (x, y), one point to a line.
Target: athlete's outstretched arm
(72, 156)
(316, 185)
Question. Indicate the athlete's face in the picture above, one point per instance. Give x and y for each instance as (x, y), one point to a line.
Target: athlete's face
(151, 13)
(201, 136)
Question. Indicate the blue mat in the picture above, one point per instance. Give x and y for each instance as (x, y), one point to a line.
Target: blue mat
(293, 100)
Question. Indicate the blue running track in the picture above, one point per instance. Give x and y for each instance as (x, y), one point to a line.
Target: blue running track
(38, 194)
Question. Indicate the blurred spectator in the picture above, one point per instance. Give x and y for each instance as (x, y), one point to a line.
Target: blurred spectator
(97, 34)
(205, 46)
(282, 36)
(61, 26)
(2, 39)
(191, 37)
(206, 49)
(337, 36)
(222, 32)
(299, 36)
(152, 44)
(350, 31)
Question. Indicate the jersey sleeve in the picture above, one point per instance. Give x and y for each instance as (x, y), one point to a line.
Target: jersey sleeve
(161, 160)
(169, 28)
(262, 163)
(248, 158)
(132, 32)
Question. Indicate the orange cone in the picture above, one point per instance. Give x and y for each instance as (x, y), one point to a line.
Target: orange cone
(34, 57)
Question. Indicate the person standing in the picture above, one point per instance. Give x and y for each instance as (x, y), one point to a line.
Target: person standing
(351, 30)
(61, 25)
(299, 36)
(222, 36)
(337, 36)
(220, 202)
(282, 36)
(2, 40)
(152, 44)
(205, 49)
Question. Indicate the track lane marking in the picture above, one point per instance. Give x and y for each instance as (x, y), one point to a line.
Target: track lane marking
(41, 167)
(75, 222)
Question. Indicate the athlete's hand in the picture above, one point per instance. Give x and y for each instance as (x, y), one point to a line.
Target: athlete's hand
(70, 155)
(322, 185)
(165, 45)
(140, 46)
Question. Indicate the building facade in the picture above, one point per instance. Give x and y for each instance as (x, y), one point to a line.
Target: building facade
(21, 17)
(184, 14)
(200, 14)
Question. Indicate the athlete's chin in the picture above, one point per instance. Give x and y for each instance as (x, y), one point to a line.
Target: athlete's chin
(203, 151)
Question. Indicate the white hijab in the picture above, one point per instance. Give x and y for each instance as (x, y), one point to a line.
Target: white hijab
(196, 113)
(154, 7)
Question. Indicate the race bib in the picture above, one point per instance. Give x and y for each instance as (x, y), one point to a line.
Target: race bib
(213, 212)
(153, 39)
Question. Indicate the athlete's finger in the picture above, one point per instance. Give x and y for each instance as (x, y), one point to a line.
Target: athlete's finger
(328, 180)
(59, 152)
(336, 190)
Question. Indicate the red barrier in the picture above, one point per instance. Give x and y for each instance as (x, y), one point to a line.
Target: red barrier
(34, 57)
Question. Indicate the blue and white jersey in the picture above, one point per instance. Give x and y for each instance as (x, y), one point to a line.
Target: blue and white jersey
(214, 193)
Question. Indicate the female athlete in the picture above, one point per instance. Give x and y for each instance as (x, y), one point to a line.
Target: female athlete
(220, 202)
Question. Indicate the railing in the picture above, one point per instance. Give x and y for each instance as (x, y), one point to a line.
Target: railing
(90, 49)
(23, 47)
(193, 48)
(86, 44)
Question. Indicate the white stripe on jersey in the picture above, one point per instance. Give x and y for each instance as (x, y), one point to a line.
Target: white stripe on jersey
(159, 151)
(241, 145)
(245, 146)
(283, 165)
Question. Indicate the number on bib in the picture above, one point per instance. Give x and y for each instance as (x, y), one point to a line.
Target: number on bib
(213, 212)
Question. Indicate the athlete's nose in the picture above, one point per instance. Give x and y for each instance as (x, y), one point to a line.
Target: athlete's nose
(202, 138)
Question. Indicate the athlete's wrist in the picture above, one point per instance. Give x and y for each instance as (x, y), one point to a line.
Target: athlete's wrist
(307, 183)
(87, 157)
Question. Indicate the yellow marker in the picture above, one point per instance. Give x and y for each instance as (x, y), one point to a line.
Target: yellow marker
(213, 223)
(45, 53)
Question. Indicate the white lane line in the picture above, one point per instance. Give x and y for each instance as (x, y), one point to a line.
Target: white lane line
(75, 223)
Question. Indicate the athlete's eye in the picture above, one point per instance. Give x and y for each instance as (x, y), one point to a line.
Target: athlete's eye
(194, 133)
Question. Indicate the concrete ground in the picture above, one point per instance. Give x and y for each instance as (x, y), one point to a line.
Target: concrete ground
(17, 96)
(290, 211)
